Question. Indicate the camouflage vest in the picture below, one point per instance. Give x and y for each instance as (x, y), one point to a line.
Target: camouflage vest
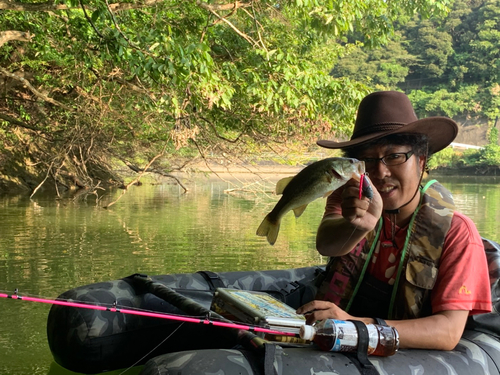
(419, 259)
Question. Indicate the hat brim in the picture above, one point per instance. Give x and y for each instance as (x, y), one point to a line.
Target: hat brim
(440, 131)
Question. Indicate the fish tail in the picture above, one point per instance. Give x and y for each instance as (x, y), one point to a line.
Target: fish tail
(269, 229)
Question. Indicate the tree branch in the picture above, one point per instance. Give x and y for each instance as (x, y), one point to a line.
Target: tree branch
(26, 83)
(217, 134)
(49, 6)
(138, 178)
(136, 169)
(110, 10)
(16, 122)
(45, 179)
(89, 20)
(211, 9)
(218, 7)
(7, 36)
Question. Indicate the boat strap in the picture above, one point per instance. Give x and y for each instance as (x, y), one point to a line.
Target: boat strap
(360, 358)
(270, 352)
(294, 294)
(213, 280)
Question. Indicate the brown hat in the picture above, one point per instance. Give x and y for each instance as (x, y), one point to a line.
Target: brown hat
(390, 112)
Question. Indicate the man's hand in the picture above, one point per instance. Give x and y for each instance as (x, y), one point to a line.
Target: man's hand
(364, 213)
(321, 310)
(339, 233)
(440, 331)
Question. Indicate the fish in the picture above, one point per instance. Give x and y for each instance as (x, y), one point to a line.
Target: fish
(317, 180)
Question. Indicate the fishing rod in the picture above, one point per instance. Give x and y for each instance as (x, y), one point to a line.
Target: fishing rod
(114, 308)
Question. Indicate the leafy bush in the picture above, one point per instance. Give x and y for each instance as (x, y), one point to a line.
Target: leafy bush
(490, 155)
(446, 157)
(487, 156)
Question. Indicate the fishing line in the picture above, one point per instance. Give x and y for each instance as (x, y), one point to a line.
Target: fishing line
(151, 351)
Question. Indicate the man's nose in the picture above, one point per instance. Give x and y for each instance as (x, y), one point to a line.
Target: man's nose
(378, 170)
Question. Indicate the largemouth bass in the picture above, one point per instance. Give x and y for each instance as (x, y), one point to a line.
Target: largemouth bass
(317, 180)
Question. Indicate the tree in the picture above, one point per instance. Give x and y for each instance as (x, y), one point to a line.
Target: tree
(382, 67)
(448, 65)
(432, 45)
(83, 80)
(477, 41)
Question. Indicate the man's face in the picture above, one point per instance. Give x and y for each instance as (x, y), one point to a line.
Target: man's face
(396, 184)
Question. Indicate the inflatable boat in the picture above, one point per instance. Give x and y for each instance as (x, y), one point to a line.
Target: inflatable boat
(93, 341)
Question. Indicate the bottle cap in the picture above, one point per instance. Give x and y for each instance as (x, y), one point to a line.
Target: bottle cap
(307, 332)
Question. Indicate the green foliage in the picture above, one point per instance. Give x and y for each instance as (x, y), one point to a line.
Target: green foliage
(432, 45)
(112, 78)
(443, 102)
(448, 66)
(485, 157)
(445, 157)
(201, 76)
(451, 158)
(490, 155)
(384, 67)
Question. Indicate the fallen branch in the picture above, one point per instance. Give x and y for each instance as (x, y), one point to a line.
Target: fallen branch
(135, 181)
(45, 179)
(154, 170)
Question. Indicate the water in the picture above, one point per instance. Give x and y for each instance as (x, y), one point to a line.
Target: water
(48, 246)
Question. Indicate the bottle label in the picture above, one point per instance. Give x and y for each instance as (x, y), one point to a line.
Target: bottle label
(347, 336)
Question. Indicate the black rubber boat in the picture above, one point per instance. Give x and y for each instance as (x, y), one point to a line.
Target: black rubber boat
(90, 341)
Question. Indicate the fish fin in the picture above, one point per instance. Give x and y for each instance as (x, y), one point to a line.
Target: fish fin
(300, 210)
(327, 194)
(281, 184)
(269, 230)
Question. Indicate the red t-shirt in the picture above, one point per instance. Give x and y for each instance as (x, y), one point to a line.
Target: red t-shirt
(463, 280)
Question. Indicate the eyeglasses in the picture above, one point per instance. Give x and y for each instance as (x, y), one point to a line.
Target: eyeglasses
(389, 160)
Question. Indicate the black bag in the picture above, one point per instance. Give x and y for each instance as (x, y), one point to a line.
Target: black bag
(490, 323)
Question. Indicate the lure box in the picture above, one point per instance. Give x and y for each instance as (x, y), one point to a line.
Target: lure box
(256, 308)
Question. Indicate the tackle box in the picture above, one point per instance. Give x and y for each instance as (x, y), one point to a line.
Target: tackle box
(256, 308)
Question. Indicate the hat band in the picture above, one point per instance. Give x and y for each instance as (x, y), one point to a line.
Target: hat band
(377, 128)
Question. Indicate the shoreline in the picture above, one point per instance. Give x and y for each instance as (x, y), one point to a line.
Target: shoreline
(244, 172)
(281, 169)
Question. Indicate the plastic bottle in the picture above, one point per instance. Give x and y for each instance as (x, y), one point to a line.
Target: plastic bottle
(342, 336)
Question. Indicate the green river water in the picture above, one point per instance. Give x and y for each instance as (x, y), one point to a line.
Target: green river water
(48, 246)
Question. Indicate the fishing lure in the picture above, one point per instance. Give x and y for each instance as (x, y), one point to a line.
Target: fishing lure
(364, 187)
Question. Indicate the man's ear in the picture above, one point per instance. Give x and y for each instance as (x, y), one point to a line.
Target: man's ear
(422, 161)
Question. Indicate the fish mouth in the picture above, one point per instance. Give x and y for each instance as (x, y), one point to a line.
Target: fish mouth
(336, 174)
(361, 167)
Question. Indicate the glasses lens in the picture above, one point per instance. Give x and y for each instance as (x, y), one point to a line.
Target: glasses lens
(395, 159)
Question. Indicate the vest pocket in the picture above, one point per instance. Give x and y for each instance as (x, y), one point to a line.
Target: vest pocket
(421, 272)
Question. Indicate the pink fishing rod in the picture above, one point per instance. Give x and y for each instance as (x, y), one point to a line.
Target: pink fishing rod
(159, 315)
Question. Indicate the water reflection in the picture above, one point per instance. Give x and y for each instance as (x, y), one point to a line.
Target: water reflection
(48, 246)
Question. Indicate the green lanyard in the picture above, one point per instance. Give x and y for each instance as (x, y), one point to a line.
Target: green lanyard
(401, 261)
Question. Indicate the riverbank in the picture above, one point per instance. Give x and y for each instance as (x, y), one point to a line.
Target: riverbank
(24, 182)
(472, 171)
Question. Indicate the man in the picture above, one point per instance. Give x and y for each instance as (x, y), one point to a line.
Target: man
(406, 255)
